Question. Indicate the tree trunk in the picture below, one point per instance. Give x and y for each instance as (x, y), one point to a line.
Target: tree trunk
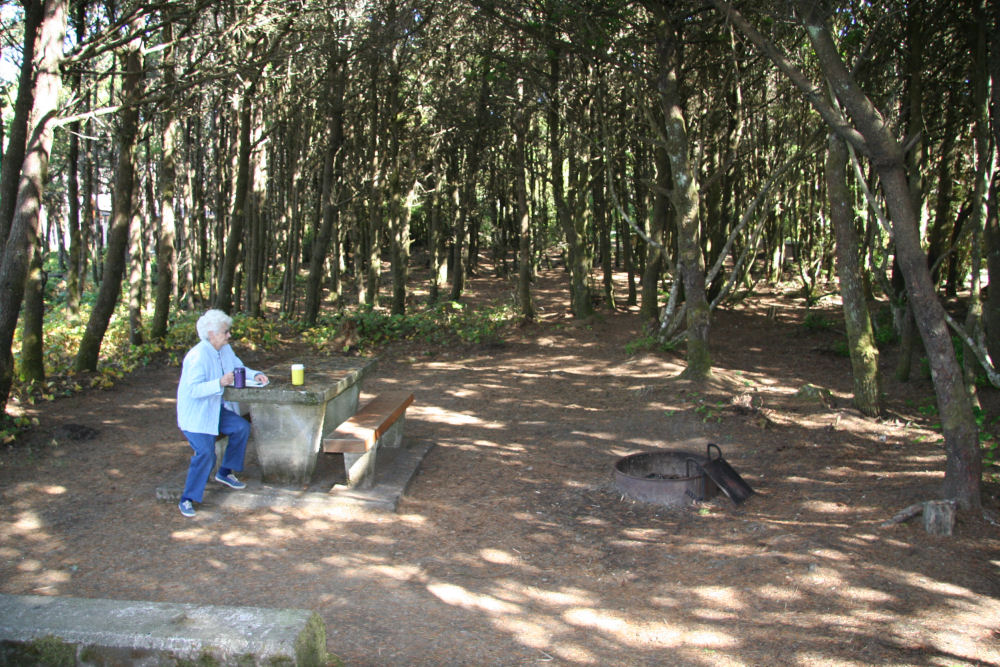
(332, 175)
(17, 134)
(602, 224)
(166, 260)
(33, 318)
(581, 302)
(88, 198)
(991, 234)
(25, 223)
(121, 213)
(237, 221)
(656, 253)
(685, 199)
(135, 259)
(860, 339)
(641, 252)
(984, 159)
(401, 213)
(77, 250)
(437, 241)
(523, 219)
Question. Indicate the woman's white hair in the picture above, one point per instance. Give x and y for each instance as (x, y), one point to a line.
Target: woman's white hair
(213, 321)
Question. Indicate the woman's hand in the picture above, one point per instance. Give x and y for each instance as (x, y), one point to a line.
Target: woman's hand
(226, 380)
(261, 378)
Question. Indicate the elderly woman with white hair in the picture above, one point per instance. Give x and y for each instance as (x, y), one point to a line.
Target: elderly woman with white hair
(202, 415)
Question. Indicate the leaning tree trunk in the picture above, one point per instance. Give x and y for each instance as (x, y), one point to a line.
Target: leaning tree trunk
(24, 225)
(860, 339)
(17, 133)
(963, 466)
(121, 212)
(19, 245)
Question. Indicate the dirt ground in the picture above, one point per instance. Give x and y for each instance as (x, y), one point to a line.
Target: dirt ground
(513, 545)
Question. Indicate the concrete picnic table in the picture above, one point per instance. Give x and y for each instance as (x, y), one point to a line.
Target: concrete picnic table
(288, 421)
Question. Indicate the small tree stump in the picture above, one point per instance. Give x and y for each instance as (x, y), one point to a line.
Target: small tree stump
(939, 517)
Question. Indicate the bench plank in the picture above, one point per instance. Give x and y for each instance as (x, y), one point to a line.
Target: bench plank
(360, 432)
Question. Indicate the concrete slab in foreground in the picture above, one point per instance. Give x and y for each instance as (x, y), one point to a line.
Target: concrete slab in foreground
(57, 630)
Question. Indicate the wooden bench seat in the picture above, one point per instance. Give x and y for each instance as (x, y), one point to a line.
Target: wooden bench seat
(379, 422)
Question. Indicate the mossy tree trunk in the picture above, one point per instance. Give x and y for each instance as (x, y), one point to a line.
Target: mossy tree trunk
(33, 318)
(963, 466)
(685, 200)
(869, 129)
(860, 338)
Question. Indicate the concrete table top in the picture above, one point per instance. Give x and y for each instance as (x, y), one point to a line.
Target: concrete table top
(324, 380)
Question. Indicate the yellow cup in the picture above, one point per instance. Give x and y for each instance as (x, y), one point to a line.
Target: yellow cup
(298, 374)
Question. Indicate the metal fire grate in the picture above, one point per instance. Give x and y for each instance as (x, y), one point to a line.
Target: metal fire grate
(677, 478)
(664, 477)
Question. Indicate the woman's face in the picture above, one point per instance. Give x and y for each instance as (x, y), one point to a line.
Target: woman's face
(219, 338)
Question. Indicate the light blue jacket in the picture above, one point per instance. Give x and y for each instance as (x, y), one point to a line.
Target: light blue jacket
(199, 393)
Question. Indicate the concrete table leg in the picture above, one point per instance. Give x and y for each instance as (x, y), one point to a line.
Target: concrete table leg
(287, 439)
(341, 408)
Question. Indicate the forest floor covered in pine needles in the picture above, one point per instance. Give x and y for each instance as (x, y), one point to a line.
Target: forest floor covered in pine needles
(513, 545)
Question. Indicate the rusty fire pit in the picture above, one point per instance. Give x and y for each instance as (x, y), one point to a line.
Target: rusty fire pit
(664, 477)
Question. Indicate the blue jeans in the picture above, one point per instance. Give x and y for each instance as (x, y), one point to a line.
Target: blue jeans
(203, 459)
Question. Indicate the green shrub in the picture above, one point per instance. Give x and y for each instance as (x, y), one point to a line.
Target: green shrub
(817, 322)
(445, 323)
(648, 343)
(884, 330)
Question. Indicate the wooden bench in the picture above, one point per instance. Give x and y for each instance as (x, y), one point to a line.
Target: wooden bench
(378, 423)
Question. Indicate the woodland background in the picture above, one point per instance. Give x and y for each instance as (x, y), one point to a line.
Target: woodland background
(292, 160)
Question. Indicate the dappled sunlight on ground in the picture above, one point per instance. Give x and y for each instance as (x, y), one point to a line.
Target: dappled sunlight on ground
(512, 545)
